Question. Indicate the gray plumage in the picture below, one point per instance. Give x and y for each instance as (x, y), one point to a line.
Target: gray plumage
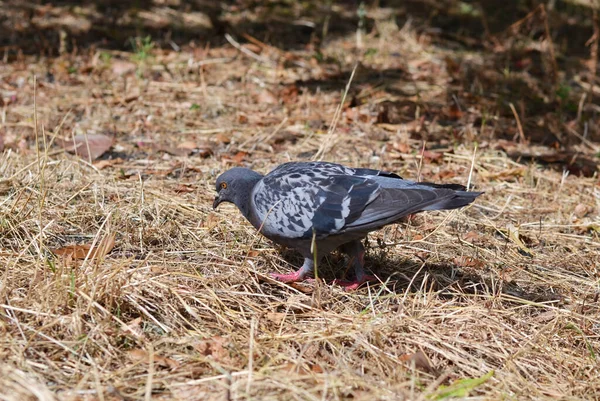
(337, 204)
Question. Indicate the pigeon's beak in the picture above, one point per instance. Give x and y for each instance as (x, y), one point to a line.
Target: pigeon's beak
(216, 202)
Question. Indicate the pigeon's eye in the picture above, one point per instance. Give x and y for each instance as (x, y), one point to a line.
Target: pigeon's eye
(223, 185)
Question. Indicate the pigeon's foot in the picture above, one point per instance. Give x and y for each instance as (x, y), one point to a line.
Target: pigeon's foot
(290, 277)
(352, 285)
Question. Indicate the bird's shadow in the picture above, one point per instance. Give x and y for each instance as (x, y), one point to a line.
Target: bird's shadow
(401, 275)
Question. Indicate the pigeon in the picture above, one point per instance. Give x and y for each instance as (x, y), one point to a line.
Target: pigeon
(318, 207)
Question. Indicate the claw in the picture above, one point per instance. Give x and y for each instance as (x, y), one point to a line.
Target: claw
(288, 278)
(352, 285)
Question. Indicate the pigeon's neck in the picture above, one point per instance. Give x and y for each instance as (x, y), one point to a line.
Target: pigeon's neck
(244, 201)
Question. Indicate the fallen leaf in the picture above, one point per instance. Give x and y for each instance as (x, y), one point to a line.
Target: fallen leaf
(401, 147)
(133, 327)
(302, 288)
(454, 113)
(80, 251)
(102, 164)
(289, 94)
(316, 368)
(580, 210)
(189, 145)
(420, 360)
(505, 175)
(174, 151)
(212, 220)
(104, 247)
(184, 188)
(204, 150)
(266, 97)
(5, 186)
(239, 157)
(253, 253)
(276, 317)
(298, 369)
(89, 146)
(467, 261)
(242, 118)
(120, 67)
(432, 156)
(223, 138)
(472, 236)
(141, 356)
(214, 348)
(444, 175)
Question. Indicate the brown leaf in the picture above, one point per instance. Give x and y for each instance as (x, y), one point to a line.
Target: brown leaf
(454, 113)
(253, 253)
(5, 186)
(204, 150)
(400, 146)
(212, 220)
(467, 261)
(239, 157)
(133, 327)
(289, 94)
(89, 146)
(73, 251)
(80, 251)
(298, 369)
(120, 67)
(214, 347)
(580, 210)
(276, 317)
(102, 164)
(432, 156)
(138, 355)
(141, 356)
(505, 175)
(174, 151)
(184, 188)
(242, 118)
(104, 247)
(302, 288)
(472, 236)
(266, 97)
(316, 368)
(166, 362)
(420, 360)
(188, 145)
(223, 138)
(423, 255)
(444, 175)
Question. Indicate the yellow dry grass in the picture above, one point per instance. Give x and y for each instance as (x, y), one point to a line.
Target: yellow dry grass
(181, 307)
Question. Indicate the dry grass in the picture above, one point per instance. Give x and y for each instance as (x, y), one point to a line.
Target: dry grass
(181, 308)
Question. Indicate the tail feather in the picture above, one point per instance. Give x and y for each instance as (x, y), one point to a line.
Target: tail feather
(460, 199)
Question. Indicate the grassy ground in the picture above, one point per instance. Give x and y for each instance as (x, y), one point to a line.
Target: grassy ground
(119, 282)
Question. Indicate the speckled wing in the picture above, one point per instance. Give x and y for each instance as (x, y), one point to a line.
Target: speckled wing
(297, 198)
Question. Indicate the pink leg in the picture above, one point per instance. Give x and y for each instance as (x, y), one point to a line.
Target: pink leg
(357, 252)
(302, 274)
(351, 285)
(288, 278)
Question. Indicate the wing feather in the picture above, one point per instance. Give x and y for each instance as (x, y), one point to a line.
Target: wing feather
(297, 199)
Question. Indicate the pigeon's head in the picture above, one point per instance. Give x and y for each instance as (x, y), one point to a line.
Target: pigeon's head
(235, 186)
